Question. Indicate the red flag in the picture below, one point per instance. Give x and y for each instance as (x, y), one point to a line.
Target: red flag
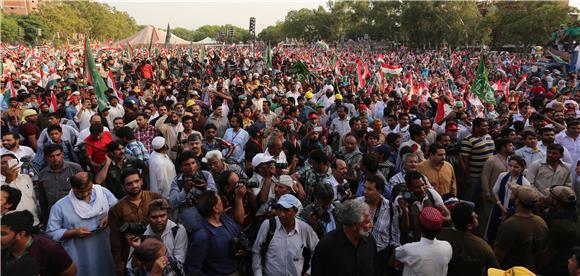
(440, 109)
(523, 79)
(53, 106)
(359, 75)
(10, 86)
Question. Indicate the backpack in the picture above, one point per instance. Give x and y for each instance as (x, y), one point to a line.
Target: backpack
(271, 230)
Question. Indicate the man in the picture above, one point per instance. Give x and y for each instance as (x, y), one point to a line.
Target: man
(145, 132)
(263, 179)
(170, 127)
(186, 187)
(238, 137)
(268, 114)
(428, 254)
(117, 124)
(417, 134)
(173, 235)
(440, 173)
(475, 149)
(530, 151)
(133, 147)
(115, 110)
(471, 254)
(340, 125)
(318, 172)
(491, 170)
(351, 155)
(320, 213)
(570, 139)
(53, 180)
(17, 240)
(11, 144)
(351, 249)
(96, 146)
(9, 199)
(338, 181)
(278, 250)
(130, 209)
(83, 116)
(391, 124)
(162, 170)
(21, 182)
(217, 165)
(550, 172)
(403, 127)
(548, 136)
(97, 119)
(385, 220)
(564, 230)
(198, 119)
(410, 207)
(29, 130)
(523, 235)
(79, 221)
(218, 119)
(254, 145)
(55, 137)
(68, 133)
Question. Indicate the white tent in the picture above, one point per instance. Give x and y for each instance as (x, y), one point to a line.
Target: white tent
(143, 37)
(207, 40)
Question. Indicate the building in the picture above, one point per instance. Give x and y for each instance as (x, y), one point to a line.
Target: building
(20, 6)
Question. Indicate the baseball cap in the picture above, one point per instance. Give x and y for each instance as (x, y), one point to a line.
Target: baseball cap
(312, 116)
(261, 158)
(286, 180)
(514, 271)
(383, 149)
(431, 219)
(563, 194)
(458, 104)
(158, 142)
(526, 194)
(288, 201)
(255, 127)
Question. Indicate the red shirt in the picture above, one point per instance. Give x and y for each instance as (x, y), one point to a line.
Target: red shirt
(97, 149)
(147, 71)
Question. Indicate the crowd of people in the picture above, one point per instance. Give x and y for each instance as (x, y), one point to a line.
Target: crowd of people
(219, 161)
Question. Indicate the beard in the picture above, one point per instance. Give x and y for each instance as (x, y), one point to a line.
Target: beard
(363, 233)
(9, 146)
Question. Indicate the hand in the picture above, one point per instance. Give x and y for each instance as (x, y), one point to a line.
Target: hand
(241, 191)
(133, 241)
(404, 206)
(12, 173)
(83, 232)
(159, 265)
(312, 219)
(188, 185)
(108, 159)
(104, 223)
(201, 185)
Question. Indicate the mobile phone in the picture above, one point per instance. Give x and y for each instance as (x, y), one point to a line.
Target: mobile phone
(12, 163)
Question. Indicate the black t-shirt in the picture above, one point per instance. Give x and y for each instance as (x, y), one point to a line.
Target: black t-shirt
(471, 254)
(252, 148)
(51, 257)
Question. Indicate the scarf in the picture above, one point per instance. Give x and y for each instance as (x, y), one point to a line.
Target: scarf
(84, 209)
(503, 185)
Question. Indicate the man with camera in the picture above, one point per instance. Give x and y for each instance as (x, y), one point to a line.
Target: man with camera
(319, 214)
(186, 188)
(173, 235)
(281, 240)
(130, 210)
(412, 200)
(263, 178)
(152, 259)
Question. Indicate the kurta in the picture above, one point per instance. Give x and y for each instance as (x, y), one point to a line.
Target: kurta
(161, 173)
(91, 254)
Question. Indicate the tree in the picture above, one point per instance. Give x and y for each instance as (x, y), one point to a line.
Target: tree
(183, 33)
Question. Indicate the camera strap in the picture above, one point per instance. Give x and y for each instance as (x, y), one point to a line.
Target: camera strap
(377, 211)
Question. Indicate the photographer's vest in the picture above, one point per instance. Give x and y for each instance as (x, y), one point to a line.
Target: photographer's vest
(414, 233)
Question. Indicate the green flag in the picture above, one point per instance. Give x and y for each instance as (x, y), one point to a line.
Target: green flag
(481, 86)
(167, 36)
(94, 77)
(300, 69)
(267, 56)
(152, 41)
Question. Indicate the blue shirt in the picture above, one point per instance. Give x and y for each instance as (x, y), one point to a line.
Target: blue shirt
(181, 201)
(239, 139)
(209, 251)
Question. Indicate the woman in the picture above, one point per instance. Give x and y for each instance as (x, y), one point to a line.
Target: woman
(210, 249)
(503, 207)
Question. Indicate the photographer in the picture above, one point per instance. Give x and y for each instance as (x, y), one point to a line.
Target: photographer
(218, 165)
(228, 183)
(412, 200)
(151, 254)
(319, 214)
(217, 241)
(280, 243)
(186, 187)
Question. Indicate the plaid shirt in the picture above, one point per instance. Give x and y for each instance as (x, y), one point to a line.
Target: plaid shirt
(146, 136)
(137, 149)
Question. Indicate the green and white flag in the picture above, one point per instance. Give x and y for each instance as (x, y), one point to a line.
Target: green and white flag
(94, 78)
(481, 86)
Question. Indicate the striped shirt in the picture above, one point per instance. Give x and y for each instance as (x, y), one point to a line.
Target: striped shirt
(478, 149)
(146, 135)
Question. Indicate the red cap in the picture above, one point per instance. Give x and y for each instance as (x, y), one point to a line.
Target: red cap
(451, 127)
(431, 219)
(312, 116)
(72, 98)
(362, 107)
(287, 122)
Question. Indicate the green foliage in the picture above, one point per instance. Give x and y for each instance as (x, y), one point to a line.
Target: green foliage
(425, 23)
(183, 33)
(213, 31)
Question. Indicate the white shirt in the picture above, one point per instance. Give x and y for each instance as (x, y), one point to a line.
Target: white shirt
(161, 173)
(567, 158)
(22, 151)
(508, 192)
(284, 255)
(84, 118)
(176, 247)
(23, 182)
(114, 112)
(425, 257)
(573, 146)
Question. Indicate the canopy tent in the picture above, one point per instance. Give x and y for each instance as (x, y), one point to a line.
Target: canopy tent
(143, 37)
(207, 40)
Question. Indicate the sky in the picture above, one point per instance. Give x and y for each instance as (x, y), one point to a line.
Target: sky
(193, 14)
